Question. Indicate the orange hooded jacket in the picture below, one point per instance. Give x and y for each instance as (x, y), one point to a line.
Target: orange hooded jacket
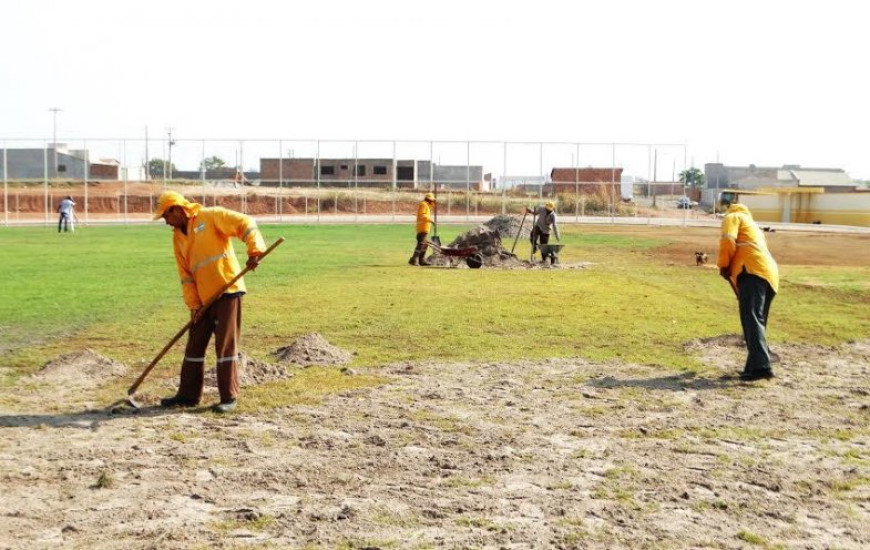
(743, 245)
(205, 257)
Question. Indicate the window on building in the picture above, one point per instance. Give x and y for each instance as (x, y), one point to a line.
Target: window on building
(327, 170)
(344, 166)
(405, 173)
(61, 167)
(379, 170)
(361, 170)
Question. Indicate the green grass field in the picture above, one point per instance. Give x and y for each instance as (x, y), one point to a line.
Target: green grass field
(115, 290)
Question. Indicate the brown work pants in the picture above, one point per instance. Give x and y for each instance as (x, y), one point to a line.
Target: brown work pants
(224, 320)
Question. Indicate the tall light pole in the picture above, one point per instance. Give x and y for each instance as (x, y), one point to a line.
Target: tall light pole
(54, 111)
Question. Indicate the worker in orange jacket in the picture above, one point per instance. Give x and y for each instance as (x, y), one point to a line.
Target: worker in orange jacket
(206, 262)
(424, 224)
(747, 264)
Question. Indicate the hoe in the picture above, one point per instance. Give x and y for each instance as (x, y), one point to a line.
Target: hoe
(129, 400)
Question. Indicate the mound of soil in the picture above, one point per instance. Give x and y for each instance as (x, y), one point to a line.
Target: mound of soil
(487, 241)
(723, 341)
(253, 372)
(312, 349)
(508, 226)
(82, 368)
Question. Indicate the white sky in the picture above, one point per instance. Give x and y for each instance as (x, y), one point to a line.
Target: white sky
(763, 82)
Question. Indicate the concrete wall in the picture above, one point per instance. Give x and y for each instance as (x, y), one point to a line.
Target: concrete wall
(743, 177)
(835, 209)
(31, 164)
(460, 177)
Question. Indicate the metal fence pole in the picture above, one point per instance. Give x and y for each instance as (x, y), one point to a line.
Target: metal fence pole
(5, 186)
(503, 176)
(202, 171)
(468, 181)
(577, 185)
(45, 180)
(243, 192)
(541, 170)
(612, 183)
(317, 179)
(280, 180)
(355, 181)
(124, 162)
(395, 182)
(87, 173)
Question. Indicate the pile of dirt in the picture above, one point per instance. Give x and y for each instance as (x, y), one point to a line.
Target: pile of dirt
(508, 226)
(253, 372)
(487, 241)
(723, 341)
(313, 349)
(82, 368)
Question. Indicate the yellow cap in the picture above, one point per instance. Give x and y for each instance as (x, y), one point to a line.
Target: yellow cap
(429, 197)
(168, 199)
(550, 205)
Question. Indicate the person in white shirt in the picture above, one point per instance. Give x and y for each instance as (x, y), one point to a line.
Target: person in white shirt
(67, 212)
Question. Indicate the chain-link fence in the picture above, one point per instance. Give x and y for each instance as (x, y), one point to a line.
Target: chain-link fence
(119, 180)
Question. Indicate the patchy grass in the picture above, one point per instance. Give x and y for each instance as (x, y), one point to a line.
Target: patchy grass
(115, 290)
(105, 481)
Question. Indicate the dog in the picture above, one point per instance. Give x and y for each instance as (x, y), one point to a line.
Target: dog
(700, 258)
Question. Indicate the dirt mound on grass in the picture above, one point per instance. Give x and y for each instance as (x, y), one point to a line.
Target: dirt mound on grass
(82, 368)
(487, 241)
(508, 226)
(723, 341)
(253, 372)
(313, 349)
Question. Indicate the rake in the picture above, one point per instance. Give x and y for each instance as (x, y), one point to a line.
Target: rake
(129, 400)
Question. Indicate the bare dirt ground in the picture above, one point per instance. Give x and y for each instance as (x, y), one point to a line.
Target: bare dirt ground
(547, 454)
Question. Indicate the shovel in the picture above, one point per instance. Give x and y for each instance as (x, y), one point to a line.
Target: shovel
(520, 230)
(130, 392)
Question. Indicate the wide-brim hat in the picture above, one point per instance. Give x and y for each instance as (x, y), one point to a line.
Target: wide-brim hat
(167, 200)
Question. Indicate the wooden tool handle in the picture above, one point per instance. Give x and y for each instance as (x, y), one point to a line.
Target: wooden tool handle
(186, 327)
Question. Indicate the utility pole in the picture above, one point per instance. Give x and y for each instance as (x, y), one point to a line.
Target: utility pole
(54, 111)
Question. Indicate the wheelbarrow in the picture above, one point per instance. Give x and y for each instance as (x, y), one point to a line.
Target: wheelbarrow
(549, 251)
(472, 256)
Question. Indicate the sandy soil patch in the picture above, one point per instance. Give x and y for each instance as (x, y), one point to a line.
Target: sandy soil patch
(561, 453)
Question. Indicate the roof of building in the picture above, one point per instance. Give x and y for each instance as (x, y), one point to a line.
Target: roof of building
(826, 177)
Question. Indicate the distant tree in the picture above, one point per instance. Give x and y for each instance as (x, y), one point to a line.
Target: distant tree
(212, 163)
(155, 168)
(693, 177)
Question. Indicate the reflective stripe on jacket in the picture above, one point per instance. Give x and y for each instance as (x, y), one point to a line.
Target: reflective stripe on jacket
(743, 245)
(424, 217)
(205, 257)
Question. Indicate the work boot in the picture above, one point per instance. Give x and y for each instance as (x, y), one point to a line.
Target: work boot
(178, 401)
(756, 375)
(225, 406)
(413, 260)
(423, 261)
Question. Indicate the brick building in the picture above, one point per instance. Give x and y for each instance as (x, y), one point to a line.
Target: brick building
(368, 172)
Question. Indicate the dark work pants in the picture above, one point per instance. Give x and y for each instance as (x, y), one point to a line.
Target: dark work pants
(63, 222)
(224, 320)
(755, 295)
(422, 239)
(539, 236)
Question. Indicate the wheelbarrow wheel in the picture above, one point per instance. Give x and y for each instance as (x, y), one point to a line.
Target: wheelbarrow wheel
(474, 261)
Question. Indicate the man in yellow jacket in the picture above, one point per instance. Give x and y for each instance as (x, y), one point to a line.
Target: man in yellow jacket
(424, 224)
(746, 263)
(206, 262)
